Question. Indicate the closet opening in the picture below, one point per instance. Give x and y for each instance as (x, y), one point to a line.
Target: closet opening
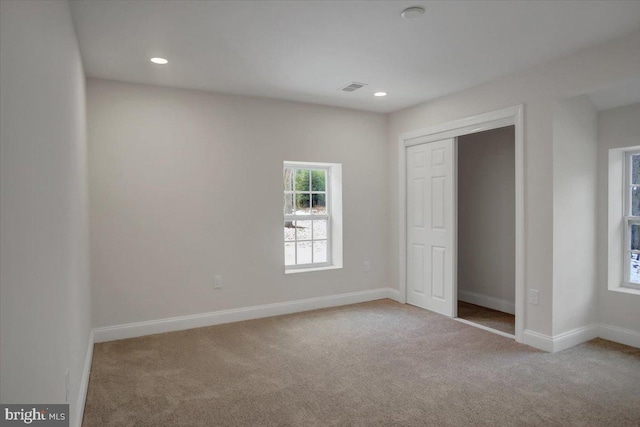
(486, 229)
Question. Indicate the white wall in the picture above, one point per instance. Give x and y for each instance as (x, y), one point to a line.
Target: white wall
(186, 185)
(538, 88)
(575, 141)
(44, 294)
(486, 216)
(617, 127)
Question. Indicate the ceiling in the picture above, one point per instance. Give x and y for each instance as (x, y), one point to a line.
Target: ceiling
(307, 50)
(617, 95)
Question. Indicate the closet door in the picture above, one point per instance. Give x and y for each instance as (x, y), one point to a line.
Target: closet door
(431, 226)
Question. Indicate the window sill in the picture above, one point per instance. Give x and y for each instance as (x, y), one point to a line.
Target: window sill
(625, 290)
(308, 270)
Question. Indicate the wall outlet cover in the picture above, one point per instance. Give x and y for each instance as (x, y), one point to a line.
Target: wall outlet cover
(217, 282)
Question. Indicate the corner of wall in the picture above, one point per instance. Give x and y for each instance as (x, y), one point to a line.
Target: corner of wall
(84, 383)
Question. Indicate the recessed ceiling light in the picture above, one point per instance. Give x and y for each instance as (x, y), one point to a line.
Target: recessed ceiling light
(159, 61)
(412, 12)
(380, 94)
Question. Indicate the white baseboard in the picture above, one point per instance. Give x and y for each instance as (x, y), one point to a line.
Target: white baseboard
(537, 340)
(487, 301)
(574, 337)
(84, 382)
(579, 335)
(132, 330)
(620, 335)
(393, 294)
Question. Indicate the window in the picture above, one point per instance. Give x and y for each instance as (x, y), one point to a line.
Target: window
(632, 220)
(312, 208)
(622, 220)
(307, 215)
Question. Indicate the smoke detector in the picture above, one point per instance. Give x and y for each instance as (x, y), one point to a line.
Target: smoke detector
(412, 12)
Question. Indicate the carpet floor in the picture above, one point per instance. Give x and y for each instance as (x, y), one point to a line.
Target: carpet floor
(484, 316)
(373, 364)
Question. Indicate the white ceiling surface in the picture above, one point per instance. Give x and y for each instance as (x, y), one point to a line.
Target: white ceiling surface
(307, 50)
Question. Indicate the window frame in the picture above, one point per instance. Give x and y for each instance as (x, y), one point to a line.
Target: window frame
(629, 219)
(311, 216)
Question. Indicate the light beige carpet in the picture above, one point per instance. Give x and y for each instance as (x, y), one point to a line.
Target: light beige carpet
(494, 319)
(372, 364)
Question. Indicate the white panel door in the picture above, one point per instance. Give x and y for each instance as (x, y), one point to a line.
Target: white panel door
(431, 226)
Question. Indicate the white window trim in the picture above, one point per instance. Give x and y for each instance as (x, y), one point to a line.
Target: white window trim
(334, 207)
(616, 221)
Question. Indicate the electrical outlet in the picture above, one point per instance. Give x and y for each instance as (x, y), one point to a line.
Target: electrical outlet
(367, 266)
(67, 387)
(533, 297)
(217, 282)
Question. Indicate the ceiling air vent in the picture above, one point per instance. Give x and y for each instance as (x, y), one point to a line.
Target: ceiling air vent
(353, 86)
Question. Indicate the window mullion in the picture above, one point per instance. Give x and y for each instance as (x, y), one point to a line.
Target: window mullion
(327, 195)
(295, 240)
(295, 210)
(311, 208)
(312, 254)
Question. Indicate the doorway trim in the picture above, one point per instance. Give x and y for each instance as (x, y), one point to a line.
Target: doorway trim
(510, 116)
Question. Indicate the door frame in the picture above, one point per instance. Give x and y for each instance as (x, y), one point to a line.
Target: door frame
(510, 116)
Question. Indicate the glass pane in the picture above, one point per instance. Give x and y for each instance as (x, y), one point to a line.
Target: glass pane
(319, 204)
(318, 180)
(320, 251)
(635, 201)
(634, 269)
(287, 176)
(635, 237)
(303, 228)
(288, 204)
(289, 231)
(304, 252)
(320, 229)
(302, 180)
(289, 254)
(635, 169)
(302, 204)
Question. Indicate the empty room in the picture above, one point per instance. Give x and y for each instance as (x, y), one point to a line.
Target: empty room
(319, 213)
